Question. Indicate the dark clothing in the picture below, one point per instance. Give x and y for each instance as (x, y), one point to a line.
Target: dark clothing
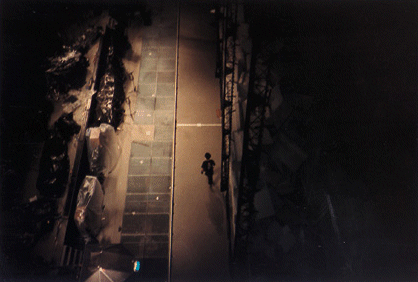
(207, 167)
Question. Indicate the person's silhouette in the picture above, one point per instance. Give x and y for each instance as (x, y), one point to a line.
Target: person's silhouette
(207, 168)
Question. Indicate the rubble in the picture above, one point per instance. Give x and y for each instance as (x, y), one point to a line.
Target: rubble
(55, 164)
(109, 100)
(103, 149)
(67, 71)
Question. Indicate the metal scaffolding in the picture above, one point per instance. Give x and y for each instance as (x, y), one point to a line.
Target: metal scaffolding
(226, 67)
(257, 102)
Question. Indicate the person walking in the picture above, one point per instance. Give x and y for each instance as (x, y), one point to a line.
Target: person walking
(207, 167)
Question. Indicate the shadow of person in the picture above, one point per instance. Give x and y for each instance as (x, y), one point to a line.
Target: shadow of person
(216, 209)
(216, 177)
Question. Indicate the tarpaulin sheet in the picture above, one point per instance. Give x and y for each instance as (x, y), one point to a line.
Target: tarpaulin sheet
(88, 214)
(103, 149)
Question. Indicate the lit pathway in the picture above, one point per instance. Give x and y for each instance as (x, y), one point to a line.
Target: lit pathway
(199, 240)
(175, 223)
(147, 214)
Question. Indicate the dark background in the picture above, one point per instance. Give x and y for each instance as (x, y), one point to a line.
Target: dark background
(358, 60)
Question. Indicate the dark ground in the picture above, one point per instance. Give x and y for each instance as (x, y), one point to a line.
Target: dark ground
(358, 61)
(31, 32)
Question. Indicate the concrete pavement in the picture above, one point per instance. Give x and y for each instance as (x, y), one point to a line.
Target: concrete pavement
(199, 239)
(157, 189)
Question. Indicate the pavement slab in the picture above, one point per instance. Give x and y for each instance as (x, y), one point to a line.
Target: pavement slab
(146, 222)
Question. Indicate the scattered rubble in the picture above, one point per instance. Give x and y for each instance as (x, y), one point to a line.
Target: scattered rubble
(55, 163)
(67, 71)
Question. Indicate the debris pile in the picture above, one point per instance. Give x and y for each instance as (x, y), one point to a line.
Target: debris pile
(67, 71)
(55, 163)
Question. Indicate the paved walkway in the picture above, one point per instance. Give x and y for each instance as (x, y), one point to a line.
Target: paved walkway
(146, 221)
(168, 215)
(199, 240)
